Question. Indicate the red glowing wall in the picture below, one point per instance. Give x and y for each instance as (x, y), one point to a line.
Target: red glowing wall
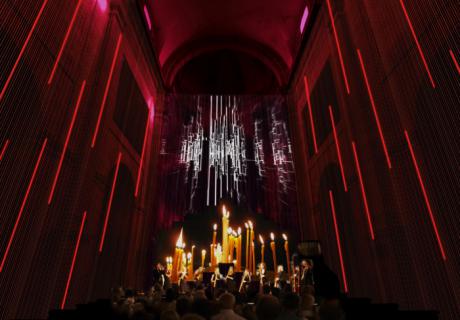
(397, 219)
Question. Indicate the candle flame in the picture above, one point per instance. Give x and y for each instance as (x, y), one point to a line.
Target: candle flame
(239, 231)
(261, 239)
(285, 237)
(189, 255)
(250, 224)
(272, 236)
(203, 252)
(229, 230)
(246, 225)
(225, 212)
(179, 242)
(214, 226)
(193, 247)
(234, 233)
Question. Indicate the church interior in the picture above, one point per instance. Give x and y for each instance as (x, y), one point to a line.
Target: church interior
(292, 159)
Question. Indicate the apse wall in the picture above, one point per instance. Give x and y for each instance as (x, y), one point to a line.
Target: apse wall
(389, 70)
(79, 99)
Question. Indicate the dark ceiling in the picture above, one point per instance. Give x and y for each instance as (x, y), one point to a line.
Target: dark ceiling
(217, 46)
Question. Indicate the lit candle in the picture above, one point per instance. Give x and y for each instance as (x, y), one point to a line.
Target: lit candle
(225, 222)
(288, 259)
(262, 249)
(272, 245)
(231, 244)
(246, 225)
(203, 257)
(176, 263)
(214, 236)
(252, 261)
(238, 250)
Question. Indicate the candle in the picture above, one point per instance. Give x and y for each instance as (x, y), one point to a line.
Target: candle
(218, 253)
(288, 259)
(246, 225)
(214, 236)
(176, 263)
(262, 248)
(238, 250)
(272, 245)
(231, 244)
(203, 257)
(225, 222)
(189, 266)
(252, 261)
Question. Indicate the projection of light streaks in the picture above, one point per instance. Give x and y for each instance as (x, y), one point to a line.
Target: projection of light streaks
(339, 246)
(74, 258)
(417, 43)
(374, 109)
(339, 50)
(337, 146)
(454, 60)
(66, 143)
(282, 152)
(64, 42)
(23, 205)
(259, 156)
(310, 113)
(5, 146)
(23, 49)
(363, 190)
(425, 197)
(109, 204)
(106, 91)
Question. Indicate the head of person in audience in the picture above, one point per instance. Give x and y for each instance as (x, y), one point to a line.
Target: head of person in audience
(291, 303)
(268, 308)
(227, 301)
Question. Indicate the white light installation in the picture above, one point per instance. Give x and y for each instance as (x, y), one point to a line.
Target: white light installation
(259, 157)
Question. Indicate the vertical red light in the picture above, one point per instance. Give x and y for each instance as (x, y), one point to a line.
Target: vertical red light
(69, 277)
(21, 53)
(339, 246)
(363, 190)
(66, 143)
(457, 66)
(66, 38)
(425, 196)
(141, 161)
(5, 146)
(337, 146)
(23, 205)
(106, 91)
(339, 50)
(147, 17)
(109, 205)
(374, 109)
(310, 112)
(417, 43)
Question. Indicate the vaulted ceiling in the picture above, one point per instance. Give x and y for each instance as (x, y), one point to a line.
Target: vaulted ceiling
(228, 40)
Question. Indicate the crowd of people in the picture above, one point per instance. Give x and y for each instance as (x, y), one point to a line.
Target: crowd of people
(255, 300)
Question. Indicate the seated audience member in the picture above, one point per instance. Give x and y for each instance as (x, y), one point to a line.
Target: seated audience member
(307, 307)
(169, 315)
(268, 308)
(330, 309)
(290, 307)
(227, 303)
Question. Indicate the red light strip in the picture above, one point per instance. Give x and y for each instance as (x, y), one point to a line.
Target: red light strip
(339, 50)
(339, 154)
(66, 38)
(339, 246)
(21, 53)
(147, 17)
(106, 91)
(419, 48)
(141, 161)
(23, 205)
(425, 196)
(374, 109)
(67, 138)
(363, 191)
(114, 182)
(5, 146)
(455, 61)
(310, 112)
(69, 278)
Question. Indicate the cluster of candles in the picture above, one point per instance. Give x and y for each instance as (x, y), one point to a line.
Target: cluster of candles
(230, 251)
